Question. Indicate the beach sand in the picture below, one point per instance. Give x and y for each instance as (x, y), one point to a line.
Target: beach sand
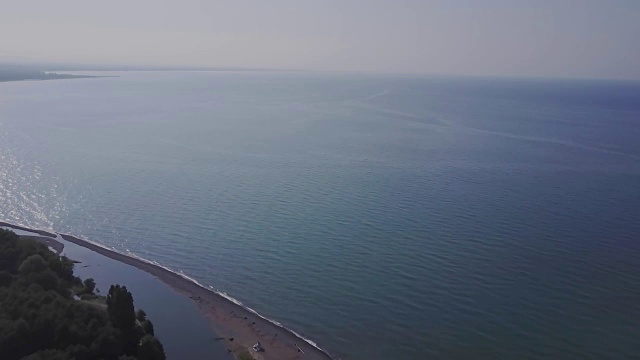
(228, 319)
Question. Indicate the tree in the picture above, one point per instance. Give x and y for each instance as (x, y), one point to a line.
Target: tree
(123, 317)
(34, 263)
(48, 355)
(47, 279)
(108, 344)
(89, 285)
(79, 352)
(150, 349)
(40, 320)
(141, 315)
(120, 307)
(8, 250)
(147, 326)
(63, 267)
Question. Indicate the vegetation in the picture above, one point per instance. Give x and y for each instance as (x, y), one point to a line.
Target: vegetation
(41, 319)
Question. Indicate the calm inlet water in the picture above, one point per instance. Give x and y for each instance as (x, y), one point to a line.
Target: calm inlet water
(382, 217)
(177, 322)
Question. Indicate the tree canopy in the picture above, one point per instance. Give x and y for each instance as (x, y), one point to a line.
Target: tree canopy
(41, 319)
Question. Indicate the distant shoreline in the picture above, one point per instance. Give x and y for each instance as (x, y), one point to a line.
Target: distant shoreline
(46, 76)
(229, 319)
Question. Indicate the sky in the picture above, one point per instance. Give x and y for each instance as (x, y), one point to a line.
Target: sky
(559, 38)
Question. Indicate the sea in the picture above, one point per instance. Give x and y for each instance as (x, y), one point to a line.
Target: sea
(379, 216)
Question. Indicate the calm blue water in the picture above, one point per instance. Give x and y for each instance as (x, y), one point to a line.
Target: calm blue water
(383, 217)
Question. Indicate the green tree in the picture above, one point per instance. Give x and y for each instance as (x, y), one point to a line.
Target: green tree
(150, 349)
(40, 320)
(34, 263)
(47, 279)
(141, 315)
(147, 327)
(120, 307)
(63, 266)
(108, 344)
(89, 285)
(9, 251)
(48, 354)
(123, 317)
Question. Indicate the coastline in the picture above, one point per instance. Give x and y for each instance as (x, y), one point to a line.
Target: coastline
(48, 76)
(18, 227)
(238, 327)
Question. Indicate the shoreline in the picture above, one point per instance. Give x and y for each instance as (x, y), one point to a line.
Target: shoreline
(238, 327)
(45, 76)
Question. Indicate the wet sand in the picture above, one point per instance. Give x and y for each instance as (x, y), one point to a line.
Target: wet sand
(229, 320)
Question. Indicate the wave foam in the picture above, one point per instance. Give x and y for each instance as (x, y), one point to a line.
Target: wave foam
(239, 303)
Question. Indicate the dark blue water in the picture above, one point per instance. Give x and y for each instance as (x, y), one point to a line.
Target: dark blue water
(382, 217)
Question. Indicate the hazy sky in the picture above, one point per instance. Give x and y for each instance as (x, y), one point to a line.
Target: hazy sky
(566, 38)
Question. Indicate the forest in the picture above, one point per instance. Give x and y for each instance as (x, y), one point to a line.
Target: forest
(46, 312)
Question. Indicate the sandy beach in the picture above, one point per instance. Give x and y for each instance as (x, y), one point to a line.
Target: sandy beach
(238, 327)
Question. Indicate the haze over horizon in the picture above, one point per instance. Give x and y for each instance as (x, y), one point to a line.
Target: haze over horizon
(580, 39)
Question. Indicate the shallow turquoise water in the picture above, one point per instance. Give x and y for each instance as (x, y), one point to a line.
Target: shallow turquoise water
(434, 218)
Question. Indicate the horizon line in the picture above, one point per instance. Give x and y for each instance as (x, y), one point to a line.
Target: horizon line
(69, 66)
